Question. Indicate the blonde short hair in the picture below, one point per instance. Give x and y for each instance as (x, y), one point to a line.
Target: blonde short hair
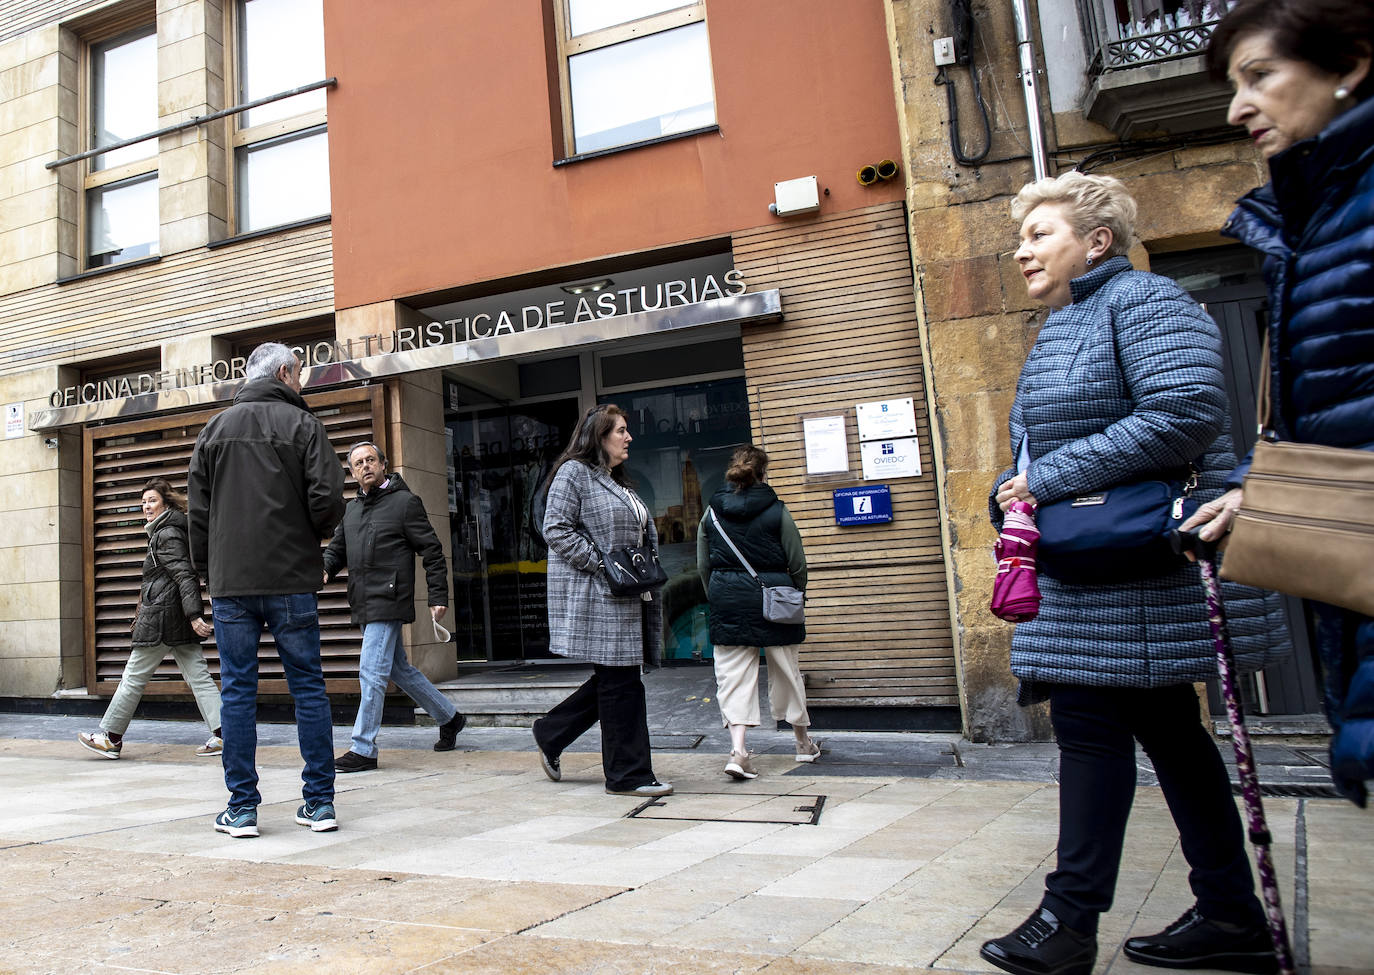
(1089, 202)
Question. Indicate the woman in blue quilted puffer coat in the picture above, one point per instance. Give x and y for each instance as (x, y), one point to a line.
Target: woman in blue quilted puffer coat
(1305, 93)
(1124, 382)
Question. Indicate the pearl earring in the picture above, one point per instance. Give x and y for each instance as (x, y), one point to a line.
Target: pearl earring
(1342, 93)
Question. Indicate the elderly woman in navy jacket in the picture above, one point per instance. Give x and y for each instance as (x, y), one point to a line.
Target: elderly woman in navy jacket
(1124, 382)
(593, 510)
(1305, 93)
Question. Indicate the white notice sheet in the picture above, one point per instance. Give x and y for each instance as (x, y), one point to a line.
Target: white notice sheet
(827, 451)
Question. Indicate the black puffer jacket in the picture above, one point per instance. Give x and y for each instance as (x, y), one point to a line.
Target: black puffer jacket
(170, 597)
(265, 487)
(380, 535)
(761, 527)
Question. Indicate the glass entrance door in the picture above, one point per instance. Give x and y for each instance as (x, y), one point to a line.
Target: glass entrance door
(500, 456)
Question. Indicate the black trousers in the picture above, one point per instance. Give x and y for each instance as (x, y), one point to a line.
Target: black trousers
(1097, 728)
(615, 697)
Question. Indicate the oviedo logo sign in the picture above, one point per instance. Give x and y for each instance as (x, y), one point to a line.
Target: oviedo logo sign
(524, 317)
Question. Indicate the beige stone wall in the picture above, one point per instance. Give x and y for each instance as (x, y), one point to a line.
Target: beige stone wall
(418, 449)
(977, 323)
(193, 194)
(40, 552)
(38, 108)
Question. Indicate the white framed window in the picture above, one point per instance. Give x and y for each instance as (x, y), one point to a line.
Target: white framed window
(632, 71)
(281, 149)
(120, 212)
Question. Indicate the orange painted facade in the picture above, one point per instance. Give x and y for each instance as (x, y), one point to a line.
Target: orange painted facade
(441, 139)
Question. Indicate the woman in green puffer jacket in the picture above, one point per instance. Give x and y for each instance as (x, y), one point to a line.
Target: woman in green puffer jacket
(763, 530)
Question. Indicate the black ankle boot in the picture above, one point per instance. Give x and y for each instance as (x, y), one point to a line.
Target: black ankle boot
(1195, 942)
(1042, 945)
(448, 732)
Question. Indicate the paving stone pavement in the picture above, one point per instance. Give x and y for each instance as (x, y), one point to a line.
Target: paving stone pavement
(472, 861)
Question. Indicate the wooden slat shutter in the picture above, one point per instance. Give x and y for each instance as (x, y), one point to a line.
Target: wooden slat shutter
(118, 459)
(878, 625)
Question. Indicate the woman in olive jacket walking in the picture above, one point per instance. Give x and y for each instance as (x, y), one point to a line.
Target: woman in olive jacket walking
(168, 620)
(762, 528)
(593, 510)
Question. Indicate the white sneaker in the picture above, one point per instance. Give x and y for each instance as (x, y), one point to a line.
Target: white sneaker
(100, 744)
(214, 745)
(810, 751)
(740, 767)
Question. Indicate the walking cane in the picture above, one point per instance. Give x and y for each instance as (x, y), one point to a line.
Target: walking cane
(1260, 837)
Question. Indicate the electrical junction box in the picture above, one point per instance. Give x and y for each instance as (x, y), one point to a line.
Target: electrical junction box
(944, 51)
(794, 196)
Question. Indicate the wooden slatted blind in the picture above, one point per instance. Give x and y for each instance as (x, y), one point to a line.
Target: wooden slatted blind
(118, 460)
(878, 628)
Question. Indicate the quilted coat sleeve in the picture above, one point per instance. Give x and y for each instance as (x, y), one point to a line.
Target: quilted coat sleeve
(1169, 353)
(563, 515)
(174, 556)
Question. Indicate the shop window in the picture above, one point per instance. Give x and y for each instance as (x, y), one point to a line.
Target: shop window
(632, 71)
(120, 186)
(683, 438)
(281, 150)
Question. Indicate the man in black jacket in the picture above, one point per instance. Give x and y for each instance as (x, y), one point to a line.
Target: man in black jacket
(382, 531)
(265, 487)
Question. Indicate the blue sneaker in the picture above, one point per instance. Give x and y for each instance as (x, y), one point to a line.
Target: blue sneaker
(318, 815)
(239, 822)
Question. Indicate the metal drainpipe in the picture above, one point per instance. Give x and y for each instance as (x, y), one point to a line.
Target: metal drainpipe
(1021, 10)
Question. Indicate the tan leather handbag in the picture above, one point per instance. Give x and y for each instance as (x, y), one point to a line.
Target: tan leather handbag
(1306, 521)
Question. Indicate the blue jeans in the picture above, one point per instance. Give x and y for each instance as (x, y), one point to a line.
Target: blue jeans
(383, 658)
(294, 623)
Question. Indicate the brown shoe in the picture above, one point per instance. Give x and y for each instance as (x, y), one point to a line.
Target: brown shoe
(351, 761)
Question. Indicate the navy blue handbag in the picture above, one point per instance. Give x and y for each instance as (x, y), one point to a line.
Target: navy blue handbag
(1119, 534)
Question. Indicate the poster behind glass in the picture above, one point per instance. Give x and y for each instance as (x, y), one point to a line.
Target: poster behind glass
(683, 438)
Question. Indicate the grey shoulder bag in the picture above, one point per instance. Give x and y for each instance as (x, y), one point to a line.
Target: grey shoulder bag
(781, 604)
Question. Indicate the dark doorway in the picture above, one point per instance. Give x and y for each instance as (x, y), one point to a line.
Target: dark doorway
(1228, 282)
(500, 456)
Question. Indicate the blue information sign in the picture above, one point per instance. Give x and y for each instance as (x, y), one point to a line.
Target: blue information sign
(863, 505)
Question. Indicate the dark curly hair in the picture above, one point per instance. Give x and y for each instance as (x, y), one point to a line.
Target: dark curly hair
(1333, 35)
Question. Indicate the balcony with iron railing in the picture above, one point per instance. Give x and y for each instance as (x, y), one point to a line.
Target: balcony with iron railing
(1146, 73)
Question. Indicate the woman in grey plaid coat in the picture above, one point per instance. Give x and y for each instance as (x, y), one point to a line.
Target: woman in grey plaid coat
(592, 509)
(1124, 382)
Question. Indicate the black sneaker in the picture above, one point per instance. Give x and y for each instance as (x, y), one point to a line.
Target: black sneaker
(448, 732)
(351, 761)
(549, 763)
(1042, 945)
(1195, 942)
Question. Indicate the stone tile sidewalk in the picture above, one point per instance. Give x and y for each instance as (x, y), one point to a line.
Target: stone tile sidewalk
(472, 861)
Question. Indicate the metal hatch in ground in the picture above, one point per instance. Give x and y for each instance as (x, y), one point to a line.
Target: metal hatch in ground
(796, 809)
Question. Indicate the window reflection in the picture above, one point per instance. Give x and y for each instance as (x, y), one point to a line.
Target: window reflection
(585, 16)
(281, 46)
(283, 180)
(642, 89)
(124, 96)
(122, 221)
(683, 438)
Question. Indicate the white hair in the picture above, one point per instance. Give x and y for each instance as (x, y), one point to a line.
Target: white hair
(1089, 202)
(267, 359)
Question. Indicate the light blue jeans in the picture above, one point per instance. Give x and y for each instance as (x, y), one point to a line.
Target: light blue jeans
(383, 659)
